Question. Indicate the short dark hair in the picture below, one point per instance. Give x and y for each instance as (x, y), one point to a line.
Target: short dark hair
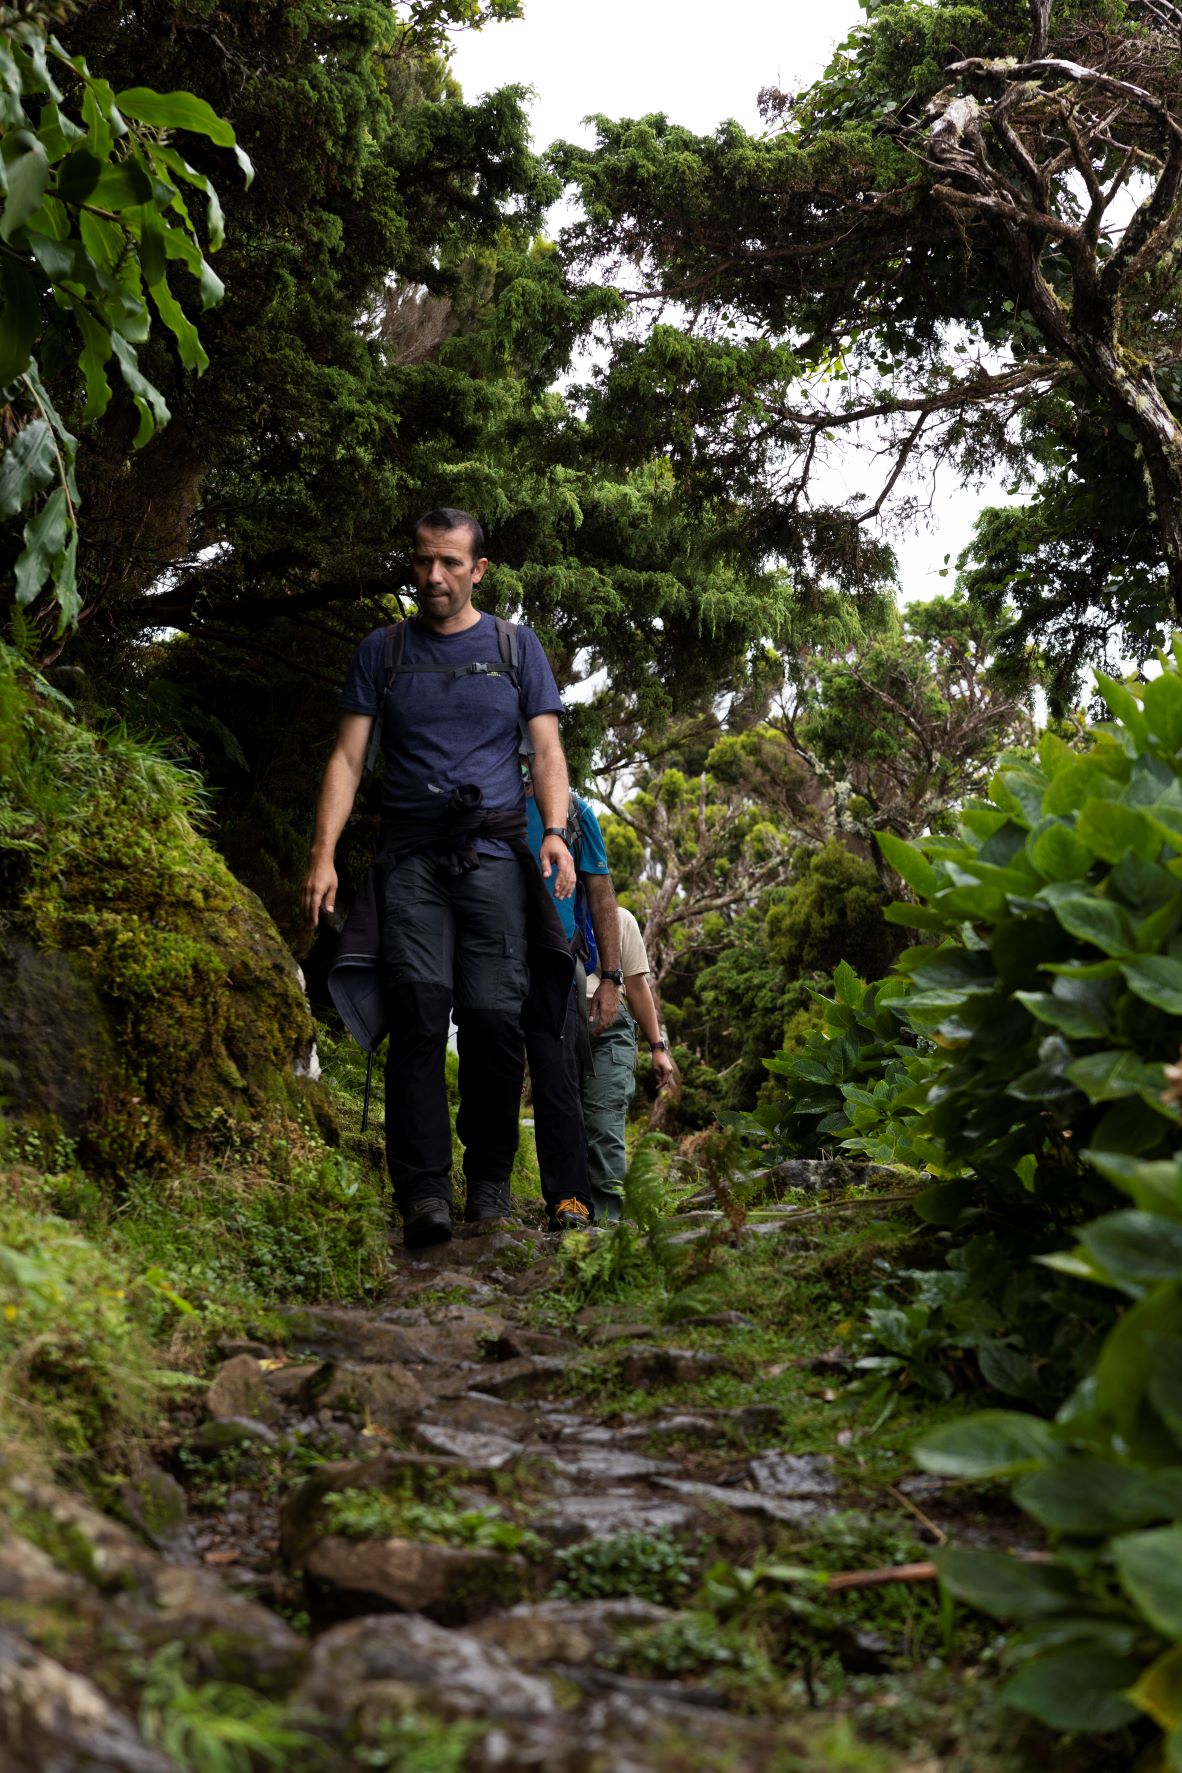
(447, 517)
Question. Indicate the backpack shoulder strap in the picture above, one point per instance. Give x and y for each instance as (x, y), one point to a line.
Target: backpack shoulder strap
(393, 653)
(511, 658)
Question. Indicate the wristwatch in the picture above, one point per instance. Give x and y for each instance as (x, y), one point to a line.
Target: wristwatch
(658, 1046)
(614, 974)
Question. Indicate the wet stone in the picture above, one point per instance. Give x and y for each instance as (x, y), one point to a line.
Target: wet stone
(492, 1451)
(293, 1383)
(480, 1414)
(239, 1389)
(605, 1464)
(57, 1721)
(568, 1520)
(794, 1474)
(154, 1503)
(641, 1368)
(794, 1510)
(233, 1431)
(451, 1584)
(530, 1376)
(394, 1662)
(567, 1631)
(384, 1394)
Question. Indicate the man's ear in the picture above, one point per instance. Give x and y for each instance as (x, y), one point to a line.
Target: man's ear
(479, 569)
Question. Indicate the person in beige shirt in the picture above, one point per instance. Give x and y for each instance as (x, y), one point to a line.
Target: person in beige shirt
(608, 1089)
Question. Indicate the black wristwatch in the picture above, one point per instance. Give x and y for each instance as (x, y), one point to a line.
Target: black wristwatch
(557, 831)
(658, 1046)
(614, 974)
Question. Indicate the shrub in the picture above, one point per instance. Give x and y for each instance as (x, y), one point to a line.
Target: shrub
(1050, 1007)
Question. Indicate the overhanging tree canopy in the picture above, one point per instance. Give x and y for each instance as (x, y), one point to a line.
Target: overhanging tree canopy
(961, 245)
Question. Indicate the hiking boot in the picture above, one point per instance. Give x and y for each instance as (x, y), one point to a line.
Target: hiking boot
(487, 1201)
(426, 1222)
(570, 1215)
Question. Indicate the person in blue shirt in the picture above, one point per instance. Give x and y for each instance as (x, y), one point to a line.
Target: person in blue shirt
(556, 1066)
(454, 868)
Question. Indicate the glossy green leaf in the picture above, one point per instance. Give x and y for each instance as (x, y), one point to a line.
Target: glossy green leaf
(1085, 1495)
(19, 322)
(1134, 1247)
(1005, 1587)
(26, 467)
(123, 186)
(148, 398)
(1113, 831)
(1149, 1565)
(1105, 1076)
(1059, 854)
(77, 175)
(1161, 700)
(1097, 921)
(1122, 704)
(44, 543)
(1158, 1693)
(991, 1444)
(1078, 1689)
(1155, 1186)
(182, 110)
(1070, 1018)
(26, 171)
(1158, 979)
(909, 863)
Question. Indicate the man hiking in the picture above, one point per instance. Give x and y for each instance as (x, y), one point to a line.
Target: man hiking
(556, 1065)
(453, 872)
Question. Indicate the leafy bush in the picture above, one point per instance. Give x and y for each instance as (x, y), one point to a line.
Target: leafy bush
(646, 1566)
(1051, 1006)
(80, 1377)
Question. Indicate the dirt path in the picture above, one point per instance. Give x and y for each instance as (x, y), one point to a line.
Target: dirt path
(374, 1506)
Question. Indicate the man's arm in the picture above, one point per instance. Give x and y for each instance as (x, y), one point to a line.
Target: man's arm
(552, 793)
(643, 1006)
(605, 921)
(338, 790)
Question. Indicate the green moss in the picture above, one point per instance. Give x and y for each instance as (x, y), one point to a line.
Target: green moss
(125, 926)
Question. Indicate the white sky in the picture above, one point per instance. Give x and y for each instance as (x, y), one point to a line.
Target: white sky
(700, 63)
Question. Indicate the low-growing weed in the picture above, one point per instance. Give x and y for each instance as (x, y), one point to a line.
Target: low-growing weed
(374, 1514)
(218, 1727)
(693, 1646)
(641, 1566)
(414, 1744)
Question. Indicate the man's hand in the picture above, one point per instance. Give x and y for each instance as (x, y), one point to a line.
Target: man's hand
(557, 859)
(320, 888)
(605, 1005)
(664, 1071)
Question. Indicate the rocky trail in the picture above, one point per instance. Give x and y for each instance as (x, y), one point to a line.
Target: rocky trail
(362, 1519)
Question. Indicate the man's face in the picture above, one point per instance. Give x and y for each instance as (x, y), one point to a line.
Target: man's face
(445, 574)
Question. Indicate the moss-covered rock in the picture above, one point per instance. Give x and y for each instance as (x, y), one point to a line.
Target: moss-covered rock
(145, 996)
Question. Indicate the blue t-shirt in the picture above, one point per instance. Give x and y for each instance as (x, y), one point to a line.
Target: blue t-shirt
(591, 859)
(441, 732)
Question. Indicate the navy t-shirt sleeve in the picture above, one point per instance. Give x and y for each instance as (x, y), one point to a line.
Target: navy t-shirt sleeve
(362, 693)
(539, 692)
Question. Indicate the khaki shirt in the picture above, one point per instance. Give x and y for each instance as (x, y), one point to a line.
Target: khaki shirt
(633, 953)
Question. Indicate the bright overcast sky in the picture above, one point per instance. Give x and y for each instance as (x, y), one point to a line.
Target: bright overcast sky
(700, 64)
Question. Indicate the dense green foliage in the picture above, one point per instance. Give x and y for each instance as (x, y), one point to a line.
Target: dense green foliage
(124, 924)
(1024, 1060)
(94, 208)
(907, 255)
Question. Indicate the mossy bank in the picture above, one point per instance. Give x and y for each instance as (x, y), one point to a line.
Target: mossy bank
(148, 1009)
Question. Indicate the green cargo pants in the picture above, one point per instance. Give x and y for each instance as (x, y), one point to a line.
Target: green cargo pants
(607, 1092)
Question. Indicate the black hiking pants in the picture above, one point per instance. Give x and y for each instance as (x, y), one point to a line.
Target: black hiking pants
(453, 944)
(556, 1086)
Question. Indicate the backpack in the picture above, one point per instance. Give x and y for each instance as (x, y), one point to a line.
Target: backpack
(584, 932)
(393, 665)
